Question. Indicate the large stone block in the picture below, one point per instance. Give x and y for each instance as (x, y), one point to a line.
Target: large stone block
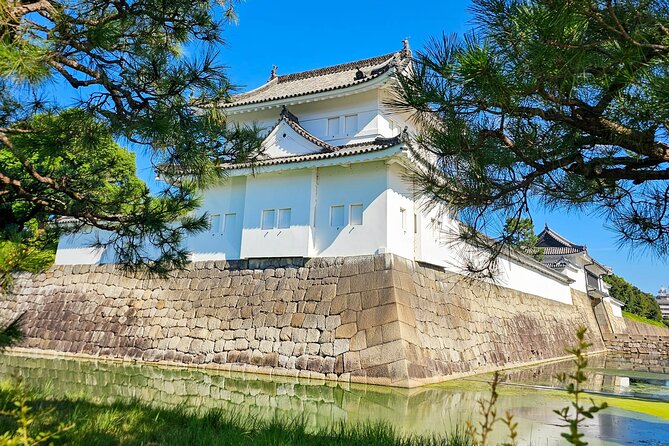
(377, 319)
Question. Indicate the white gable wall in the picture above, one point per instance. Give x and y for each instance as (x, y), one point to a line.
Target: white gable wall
(284, 141)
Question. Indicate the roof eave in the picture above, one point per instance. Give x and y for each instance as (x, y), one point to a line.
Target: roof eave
(615, 301)
(333, 159)
(595, 267)
(310, 97)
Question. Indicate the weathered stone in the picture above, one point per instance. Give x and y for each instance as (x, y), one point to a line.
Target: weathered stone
(313, 335)
(346, 331)
(373, 317)
(341, 346)
(339, 304)
(405, 322)
(297, 320)
(310, 321)
(374, 336)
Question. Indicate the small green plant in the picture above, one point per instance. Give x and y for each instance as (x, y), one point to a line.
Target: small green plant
(574, 414)
(479, 436)
(24, 417)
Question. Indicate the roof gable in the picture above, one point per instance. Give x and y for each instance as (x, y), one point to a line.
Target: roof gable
(288, 138)
(554, 244)
(299, 145)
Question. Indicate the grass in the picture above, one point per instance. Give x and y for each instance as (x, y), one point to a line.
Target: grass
(134, 423)
(642, 319)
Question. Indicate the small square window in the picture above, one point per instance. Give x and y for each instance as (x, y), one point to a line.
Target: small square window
(268, 219)
(284, 218)
(229, 223)
(356, 214)
(333, 127)
(337, 216)
(351, 124)
(215, 222)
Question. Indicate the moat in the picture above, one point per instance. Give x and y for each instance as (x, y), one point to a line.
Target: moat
(636, 389)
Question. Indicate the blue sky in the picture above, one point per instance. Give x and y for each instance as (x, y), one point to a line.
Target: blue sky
(301, 35)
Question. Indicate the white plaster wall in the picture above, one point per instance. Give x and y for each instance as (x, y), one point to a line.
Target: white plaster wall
(439, 244)
(389, 114)
(519, 277)
(75, 249)
(285, 141)
(215, 243)
(277, 191)
(400, 196)
(365, 184)
(615, 308)
(436, 240)
(264, 119)
(579, 275)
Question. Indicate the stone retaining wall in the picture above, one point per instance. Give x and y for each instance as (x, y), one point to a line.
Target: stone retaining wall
(638, 344)
(374, 319)
(642, 329)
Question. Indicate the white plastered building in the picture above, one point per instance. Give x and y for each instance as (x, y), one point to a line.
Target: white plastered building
(335, 181)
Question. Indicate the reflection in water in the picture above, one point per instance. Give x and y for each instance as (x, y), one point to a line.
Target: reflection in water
(432, 409)
(612, 373)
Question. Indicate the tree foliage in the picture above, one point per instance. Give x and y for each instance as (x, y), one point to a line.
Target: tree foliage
(636, 301)
(29, 249)
(563, 102)
(520, 235)
(129, 65)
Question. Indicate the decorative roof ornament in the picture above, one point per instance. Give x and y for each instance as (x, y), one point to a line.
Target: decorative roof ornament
(406, 48)
(359, 75)
(273, 73)
(285, 113)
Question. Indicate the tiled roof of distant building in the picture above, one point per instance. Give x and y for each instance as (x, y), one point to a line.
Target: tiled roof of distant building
(554, 244)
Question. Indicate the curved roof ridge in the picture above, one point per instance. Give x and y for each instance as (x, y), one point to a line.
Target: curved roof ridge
(378, 141)
(322, 80)
(294, 123)
(558, 238)
(339, 67)
(345, 151)
(258, 89)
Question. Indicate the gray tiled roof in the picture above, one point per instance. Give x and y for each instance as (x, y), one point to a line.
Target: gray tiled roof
(322, 79)
(556, 245)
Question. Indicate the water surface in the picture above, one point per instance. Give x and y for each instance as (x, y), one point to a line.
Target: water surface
(636, 389)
